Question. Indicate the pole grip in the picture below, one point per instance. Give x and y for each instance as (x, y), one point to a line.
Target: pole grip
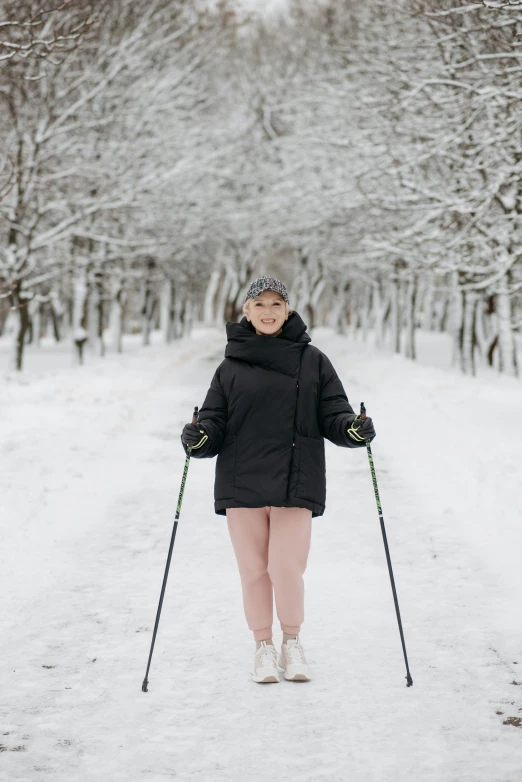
(195, 416)
(363, 411)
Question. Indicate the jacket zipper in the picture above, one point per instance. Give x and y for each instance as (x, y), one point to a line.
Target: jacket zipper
(295, 413)
(294, 429)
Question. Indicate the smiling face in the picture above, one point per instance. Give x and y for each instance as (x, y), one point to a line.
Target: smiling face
(267, 313)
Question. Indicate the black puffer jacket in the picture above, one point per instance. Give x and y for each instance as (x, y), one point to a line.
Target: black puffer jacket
(270, 404)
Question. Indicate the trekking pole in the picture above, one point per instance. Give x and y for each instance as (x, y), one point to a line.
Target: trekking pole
(180, 498)
(409, 680)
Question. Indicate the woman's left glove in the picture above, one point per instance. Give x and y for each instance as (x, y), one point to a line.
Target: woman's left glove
(193, 435)
(361, 430)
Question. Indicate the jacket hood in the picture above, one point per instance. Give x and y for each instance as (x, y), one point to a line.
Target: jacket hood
(280, 354)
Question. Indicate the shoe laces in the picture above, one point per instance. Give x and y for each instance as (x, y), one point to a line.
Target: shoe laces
(266, 656)
(295, 651)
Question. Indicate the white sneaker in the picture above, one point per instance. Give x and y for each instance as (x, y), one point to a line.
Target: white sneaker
(265, 664)
(293, 661)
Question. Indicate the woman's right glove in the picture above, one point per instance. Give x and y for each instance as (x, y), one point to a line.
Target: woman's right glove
(361, 430)
(193, 436)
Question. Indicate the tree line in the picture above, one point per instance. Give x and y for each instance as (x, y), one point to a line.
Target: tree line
(158, 154)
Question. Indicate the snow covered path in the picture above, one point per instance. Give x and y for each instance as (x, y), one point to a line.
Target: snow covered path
(89, 480)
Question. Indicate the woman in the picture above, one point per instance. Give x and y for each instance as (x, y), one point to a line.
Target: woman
(270, 404)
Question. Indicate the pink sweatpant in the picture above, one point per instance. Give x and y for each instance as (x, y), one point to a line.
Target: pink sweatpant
(271, 546)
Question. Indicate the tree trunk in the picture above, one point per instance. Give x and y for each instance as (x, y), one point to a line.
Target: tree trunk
(56, 324)
(171, 315)
(486, 328)
(354, 312)
(166, 307)
(20, 302)
(427, 305)
(396, 314)
(91, 313)
(36, 322)
(381, 310)
(236, 308)
(118, 297)
(411, 298)
(231, 304)
(56, 314)
(145, 319)
(221, 304)
(177, 311)
(100, 312)
(441, 309)
(456, 321)
(300, 292)
(79, 313)
(469, 336)
(366, 311)
(506, 340)
(336, 318)
(146, 312)
(314, 300)
(79, 297)
(187, 317)
(209, 312)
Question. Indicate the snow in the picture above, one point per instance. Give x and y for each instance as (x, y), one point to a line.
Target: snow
(90, 470)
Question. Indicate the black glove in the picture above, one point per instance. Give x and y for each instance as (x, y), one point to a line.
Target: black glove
(193, 436)
(361, 430)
